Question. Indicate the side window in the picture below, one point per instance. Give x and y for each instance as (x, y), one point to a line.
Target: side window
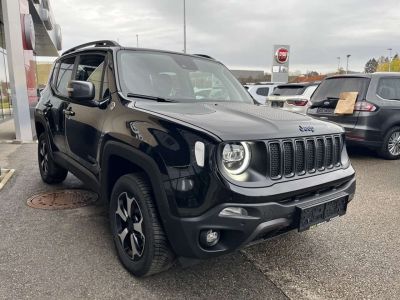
(389, 88)
(64, 75)
(90, 68)
(262, 91)
(53, 80)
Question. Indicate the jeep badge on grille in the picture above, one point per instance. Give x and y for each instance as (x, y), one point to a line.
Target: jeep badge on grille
(306, 128)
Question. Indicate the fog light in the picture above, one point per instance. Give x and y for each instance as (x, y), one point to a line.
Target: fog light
(233, 212)
(209, 238)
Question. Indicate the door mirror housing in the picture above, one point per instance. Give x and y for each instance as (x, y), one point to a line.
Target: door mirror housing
(81, 91)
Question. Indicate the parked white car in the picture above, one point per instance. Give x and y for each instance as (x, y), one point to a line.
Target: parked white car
(293, 96)
(260, 91)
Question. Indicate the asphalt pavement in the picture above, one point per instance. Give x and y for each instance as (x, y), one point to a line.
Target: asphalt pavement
(68, 254)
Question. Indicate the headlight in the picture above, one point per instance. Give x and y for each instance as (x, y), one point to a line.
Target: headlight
(236, 157)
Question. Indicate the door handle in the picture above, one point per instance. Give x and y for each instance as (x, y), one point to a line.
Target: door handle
(68, 112)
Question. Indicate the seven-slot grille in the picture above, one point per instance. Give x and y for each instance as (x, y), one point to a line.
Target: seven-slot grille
(292, 157)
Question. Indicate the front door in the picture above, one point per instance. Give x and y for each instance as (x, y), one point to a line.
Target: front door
(83, 124)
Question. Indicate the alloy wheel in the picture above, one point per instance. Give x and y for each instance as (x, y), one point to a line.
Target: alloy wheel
(129, 221)
(44, 157)
(394, 143)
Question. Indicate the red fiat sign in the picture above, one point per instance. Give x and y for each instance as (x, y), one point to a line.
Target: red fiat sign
(282, 55)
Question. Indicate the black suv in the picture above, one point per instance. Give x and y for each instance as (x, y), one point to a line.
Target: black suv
(375, 122)
(185, 176)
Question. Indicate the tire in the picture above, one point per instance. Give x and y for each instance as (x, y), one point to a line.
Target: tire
(139, 238)
(391, 144)
(50, 172)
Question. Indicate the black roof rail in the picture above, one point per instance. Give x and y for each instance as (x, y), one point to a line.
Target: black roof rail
(95, 44)
(205, 55)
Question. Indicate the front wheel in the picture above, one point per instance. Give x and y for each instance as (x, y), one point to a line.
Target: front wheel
(50, 172)
(139, 238)
(391, 144)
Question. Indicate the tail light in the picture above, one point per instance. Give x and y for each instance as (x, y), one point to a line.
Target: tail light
(297, 102)
(364, 106)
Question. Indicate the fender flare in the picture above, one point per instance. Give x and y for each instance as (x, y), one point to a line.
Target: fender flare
(143, 161)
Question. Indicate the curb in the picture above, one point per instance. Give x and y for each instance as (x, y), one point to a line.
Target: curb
(4, 179)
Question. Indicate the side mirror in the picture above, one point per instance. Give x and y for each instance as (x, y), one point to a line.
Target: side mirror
(81, 91)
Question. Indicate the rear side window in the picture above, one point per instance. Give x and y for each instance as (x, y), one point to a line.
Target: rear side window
(330, 89)
(64, 75)
(262, 91)
(53, 79)
(389, 88)
(288, 90)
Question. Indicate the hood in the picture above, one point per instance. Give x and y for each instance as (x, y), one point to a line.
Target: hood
(242, 121)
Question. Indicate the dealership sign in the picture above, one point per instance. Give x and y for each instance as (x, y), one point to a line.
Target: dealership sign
(282, 55)
(280, 63)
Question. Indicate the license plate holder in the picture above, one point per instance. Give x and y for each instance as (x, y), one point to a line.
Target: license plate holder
(313, 214)
(325, 110)
(276, 103)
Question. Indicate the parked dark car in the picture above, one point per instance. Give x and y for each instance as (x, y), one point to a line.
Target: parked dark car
(185, 175)
(375, 122)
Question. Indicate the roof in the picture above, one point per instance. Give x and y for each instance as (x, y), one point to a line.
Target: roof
(365, 75)
(108, 44)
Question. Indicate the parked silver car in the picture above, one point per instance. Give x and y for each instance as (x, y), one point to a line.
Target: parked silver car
(260, 91)
(293, 96)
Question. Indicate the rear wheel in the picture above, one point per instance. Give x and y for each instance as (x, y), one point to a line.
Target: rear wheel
(391, 144)
(50, 172)
(140, 241)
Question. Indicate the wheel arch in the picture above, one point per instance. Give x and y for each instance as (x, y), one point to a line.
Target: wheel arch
(39, 127)
(390, 122)
(119, 159)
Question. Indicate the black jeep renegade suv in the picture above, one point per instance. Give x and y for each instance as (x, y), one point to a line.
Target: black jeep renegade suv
(189, 166)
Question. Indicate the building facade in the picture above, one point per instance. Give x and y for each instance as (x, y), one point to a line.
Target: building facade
(27, 31)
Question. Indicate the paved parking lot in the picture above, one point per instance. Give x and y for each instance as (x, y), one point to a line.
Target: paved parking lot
(69, 254)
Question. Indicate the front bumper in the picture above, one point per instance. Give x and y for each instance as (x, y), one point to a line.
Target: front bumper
(264, 220)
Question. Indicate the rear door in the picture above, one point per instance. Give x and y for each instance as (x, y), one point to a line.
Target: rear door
(326, 96)
(58, 101)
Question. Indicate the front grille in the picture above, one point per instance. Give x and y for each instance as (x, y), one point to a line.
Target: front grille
(300, 157)
(292, 157)
(275, 155)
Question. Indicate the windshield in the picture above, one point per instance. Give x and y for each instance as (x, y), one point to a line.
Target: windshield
(330, 89)
(177, 77)
(286, 90)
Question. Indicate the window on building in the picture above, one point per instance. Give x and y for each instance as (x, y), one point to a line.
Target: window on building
(65, 75)
(91, 69)
(389, 88)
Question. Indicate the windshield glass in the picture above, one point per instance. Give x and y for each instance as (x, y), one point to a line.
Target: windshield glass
(178, 77)
(332, 88)
(288, 90)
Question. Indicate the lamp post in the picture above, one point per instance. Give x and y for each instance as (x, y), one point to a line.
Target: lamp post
(347, 63)
(184, 26)
(338, 65)
(137, 41)
(390, 59)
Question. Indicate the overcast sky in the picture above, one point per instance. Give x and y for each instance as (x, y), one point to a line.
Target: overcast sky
(241, 33)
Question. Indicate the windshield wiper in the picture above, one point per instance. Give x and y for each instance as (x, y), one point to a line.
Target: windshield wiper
(148, 97)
